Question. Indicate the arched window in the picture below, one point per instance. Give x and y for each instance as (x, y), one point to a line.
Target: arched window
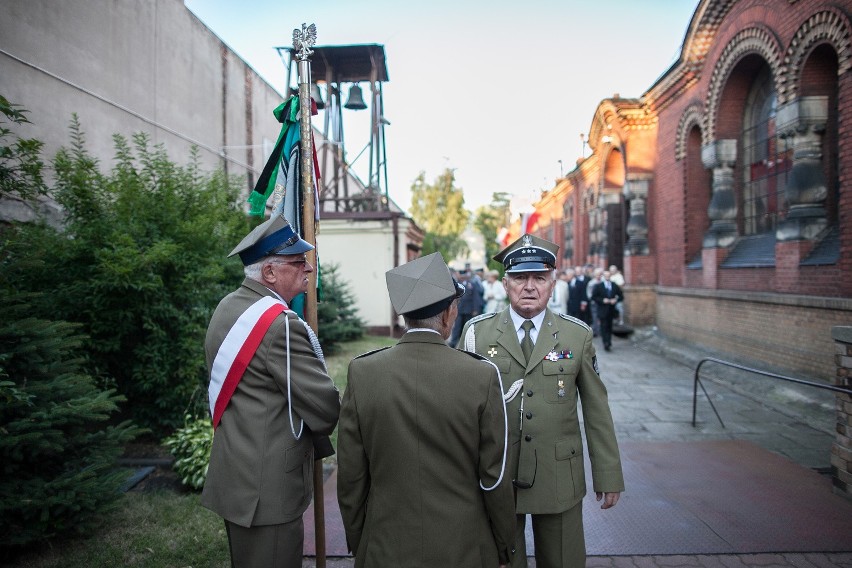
(766, 160)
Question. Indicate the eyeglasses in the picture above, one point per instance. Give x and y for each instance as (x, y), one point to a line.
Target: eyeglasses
(302, 261)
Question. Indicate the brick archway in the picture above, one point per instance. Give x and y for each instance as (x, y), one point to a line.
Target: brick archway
(827, 26)
(755, 40)
(692, 116)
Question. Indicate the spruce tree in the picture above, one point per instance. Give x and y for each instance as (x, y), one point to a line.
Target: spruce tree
(57, 451)
(337, 314)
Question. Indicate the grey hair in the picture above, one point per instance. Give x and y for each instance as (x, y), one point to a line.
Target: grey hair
(253, 270)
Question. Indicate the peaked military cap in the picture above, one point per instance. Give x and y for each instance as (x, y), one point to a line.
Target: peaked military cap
(272, 237)
(423, 287)
(528, 254)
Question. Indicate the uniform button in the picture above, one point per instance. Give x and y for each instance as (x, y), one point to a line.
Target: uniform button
(528, 438)
(529, 415)
(529, 393)
(560, 369)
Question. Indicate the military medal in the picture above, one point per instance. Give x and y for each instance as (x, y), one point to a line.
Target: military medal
(557, 355)
(561, 392)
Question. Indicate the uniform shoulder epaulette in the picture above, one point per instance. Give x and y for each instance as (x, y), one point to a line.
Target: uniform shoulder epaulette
(475, 355)
(481, 317)
(368, 353)
(579, 322)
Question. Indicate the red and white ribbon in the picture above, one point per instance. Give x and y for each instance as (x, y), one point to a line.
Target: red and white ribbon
(237, 350)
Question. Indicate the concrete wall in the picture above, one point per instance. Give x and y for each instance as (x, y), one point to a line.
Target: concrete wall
(126, 66)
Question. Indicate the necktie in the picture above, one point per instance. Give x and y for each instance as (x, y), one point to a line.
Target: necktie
(526, 343)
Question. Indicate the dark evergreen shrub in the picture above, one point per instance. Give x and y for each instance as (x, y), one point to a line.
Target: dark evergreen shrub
(57, 451)
(337, 314)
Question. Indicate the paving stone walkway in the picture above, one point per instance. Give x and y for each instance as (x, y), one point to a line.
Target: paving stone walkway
(650, 383)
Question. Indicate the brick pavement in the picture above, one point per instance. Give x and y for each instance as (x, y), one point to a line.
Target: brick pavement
(651, 390)
(797, 560)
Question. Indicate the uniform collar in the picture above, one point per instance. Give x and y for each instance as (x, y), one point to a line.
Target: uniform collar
(518, 320)
(421, 335)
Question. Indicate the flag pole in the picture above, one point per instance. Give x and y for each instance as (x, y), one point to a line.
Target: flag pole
(303, 41)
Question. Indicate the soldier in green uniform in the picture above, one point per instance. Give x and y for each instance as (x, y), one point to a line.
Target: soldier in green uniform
(547, 363)
(422, 478)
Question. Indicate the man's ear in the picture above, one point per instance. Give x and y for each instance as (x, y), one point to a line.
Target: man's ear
(267, 273)
(448, 316)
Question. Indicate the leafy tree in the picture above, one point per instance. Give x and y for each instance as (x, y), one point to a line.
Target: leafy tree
(438, 208)
(141, 266)
(20, 158)
(488, 221)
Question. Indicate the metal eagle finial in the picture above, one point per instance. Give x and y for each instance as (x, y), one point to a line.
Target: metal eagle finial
(304, 40)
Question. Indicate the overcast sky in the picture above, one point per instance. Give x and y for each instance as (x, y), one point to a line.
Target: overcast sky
(499, 91)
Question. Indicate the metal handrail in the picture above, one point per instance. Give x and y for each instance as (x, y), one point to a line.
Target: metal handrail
(697, 382)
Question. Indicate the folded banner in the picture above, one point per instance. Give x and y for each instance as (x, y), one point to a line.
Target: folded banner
(281, 172)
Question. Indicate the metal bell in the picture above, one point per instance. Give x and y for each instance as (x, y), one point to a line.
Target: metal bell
(356, 100)
(317, 96)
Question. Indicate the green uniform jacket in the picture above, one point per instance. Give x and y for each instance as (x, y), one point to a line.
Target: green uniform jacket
(259, 474)
(546, 444)
(421, 426)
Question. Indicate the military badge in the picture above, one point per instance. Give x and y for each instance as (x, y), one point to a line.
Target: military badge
(557, 355)
(561, 392)
(492, 350)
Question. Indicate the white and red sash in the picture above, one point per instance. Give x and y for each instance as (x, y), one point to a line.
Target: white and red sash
(237, 350)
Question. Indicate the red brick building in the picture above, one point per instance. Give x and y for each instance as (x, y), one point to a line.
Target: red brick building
(724, 190)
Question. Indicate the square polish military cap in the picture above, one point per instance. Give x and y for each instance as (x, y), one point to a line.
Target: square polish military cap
(423, 287)
(528, 254)
(272, 237)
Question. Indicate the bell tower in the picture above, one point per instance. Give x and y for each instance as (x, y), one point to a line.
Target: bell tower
(335, 68)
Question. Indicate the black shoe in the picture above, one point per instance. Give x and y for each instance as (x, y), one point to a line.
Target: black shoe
(607, 347)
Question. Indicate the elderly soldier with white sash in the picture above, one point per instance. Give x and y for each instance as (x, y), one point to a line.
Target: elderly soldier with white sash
(422, 440)
(547, 363)
(271, 400)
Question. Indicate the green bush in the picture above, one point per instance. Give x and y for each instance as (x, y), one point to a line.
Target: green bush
(141, 261)
(57, 448)
(190, 446)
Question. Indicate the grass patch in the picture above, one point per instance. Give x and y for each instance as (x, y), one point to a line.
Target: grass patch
(338, 364)
(160, 529)
(164, 529)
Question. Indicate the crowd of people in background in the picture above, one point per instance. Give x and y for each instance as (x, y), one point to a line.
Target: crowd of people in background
(573, 295)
